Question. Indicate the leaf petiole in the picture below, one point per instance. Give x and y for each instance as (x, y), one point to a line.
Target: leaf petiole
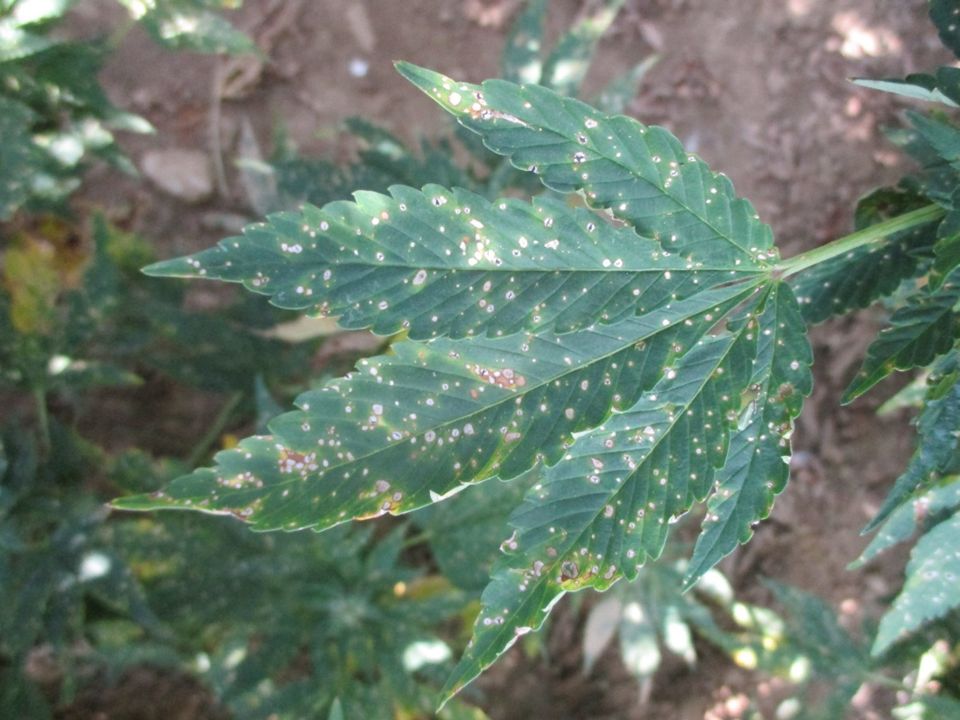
(848, 243)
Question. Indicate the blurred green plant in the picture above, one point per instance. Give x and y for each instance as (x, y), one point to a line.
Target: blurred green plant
(54, 115)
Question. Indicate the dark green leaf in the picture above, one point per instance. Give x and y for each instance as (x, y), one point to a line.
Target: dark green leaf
(757, 466)
(945, 14)
(456, 412)
(440, 262)
(466, 530)
(936, 445)
(925, 327)
(17, 156)
(901, 524)
(871, 271)
(606, 509)
(642, 175)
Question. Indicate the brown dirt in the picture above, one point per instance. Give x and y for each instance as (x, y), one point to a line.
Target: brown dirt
(758, 87)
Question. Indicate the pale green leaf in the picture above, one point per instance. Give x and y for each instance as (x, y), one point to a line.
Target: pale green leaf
(190, 25)
(930, 590)
(916, 87)
(336, 710)
(937, 429)
(599, 629)
(902, 523)
(616, 96)
(441, 262)
(641, 175)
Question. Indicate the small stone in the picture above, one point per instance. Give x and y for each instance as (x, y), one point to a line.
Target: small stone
(184, 174)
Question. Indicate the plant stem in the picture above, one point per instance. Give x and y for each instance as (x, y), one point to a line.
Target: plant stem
(848, 243)
(43, 419)
(206, 442)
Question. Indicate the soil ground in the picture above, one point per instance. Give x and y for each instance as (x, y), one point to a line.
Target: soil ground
(759, 88)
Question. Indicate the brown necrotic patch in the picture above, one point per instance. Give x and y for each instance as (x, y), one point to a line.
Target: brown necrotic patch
(503, 377)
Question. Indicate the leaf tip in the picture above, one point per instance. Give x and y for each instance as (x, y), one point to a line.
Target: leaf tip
(438, 87)
(177, 267)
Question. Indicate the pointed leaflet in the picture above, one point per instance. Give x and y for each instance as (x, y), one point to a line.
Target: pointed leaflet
(918, 86)
(448, 262)
(641, 174)
(902, 522)
(871, 271)
(918, 332)
(599, 514)
(930, 590)
(407, 429)
(757, 466)
(937, 429)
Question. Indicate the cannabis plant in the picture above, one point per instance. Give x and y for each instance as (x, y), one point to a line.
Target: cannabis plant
(633, 336)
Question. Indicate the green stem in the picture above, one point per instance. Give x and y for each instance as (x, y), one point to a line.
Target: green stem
(848, 243)
(420, 537)
(206, 442)
(43, 419)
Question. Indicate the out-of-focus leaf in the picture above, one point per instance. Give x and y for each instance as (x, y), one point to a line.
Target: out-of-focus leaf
(568, 62)
(930, 590)
(521, 60)
(901, 524)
